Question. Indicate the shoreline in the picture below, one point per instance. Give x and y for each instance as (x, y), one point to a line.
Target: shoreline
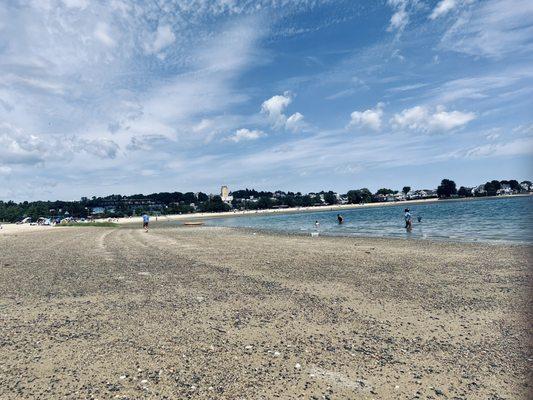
(13, 229)
(166, 221)
(433, 239)
(296, 210)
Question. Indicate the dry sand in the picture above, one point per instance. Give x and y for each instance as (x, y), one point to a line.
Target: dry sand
(216, 313)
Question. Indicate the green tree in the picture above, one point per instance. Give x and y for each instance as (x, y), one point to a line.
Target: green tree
(354, 196)
(330, 198)
(446, 188)
(492, 187)
(306, 201)
(464, 192)
(264, 203)
(202, 197)
(214, 204)
(189, 198)
(514, 185)
(366, 195)
(385, 191)
(406, 189)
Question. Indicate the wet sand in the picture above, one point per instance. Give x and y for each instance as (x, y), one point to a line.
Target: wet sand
(227, 314)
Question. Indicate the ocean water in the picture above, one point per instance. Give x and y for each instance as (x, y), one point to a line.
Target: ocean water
(498, 220)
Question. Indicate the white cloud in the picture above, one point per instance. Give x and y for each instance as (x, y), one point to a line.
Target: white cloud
(245, 134)
(101, 148)
(163, 37)
(17, 147)
(400, 18)
(477, 87)
(275, 107)
(81, 4)
(370, 118)
(295, 122)
(443, 8)
(444, 120)
(422, 118)
(523, 146)
(101, 33)
(493, 133)
(526, 129)
(492, 28)
(405, 88)
(20, 147)
(204, 125)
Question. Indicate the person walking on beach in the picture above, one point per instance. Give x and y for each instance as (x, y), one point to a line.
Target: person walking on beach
(408, 222)
(340, 219)
(146, 221)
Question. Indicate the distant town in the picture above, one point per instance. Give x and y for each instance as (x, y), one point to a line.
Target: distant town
(166, 203)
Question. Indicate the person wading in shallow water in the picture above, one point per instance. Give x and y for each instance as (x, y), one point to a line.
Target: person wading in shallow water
(408, 222)
(340, 219)
(146, 221)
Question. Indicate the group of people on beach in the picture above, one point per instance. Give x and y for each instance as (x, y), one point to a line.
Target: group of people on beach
(407, 216)
(340, 220)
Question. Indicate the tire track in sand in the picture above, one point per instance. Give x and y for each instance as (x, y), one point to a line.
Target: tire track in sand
(102, 245)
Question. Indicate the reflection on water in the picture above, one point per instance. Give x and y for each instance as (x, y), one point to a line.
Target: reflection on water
(488, 220)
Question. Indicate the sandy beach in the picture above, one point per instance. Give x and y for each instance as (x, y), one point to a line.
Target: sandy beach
(216, 313)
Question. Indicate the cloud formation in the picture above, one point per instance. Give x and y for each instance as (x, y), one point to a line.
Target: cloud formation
(246, 134)
(492, 28)
(295, 122)
(422, 118)
(162, 37)
(370, 118)
(443, 8)
(275, 107)
(522, 146)
(400, 18)
(118, 91)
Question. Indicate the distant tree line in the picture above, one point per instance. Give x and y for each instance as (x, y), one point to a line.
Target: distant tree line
(246, 199)
(447, 188)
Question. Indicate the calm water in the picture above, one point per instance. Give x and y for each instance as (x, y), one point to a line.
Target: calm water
(488, 220)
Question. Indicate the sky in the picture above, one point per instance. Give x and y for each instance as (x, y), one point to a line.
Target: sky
(124, 97)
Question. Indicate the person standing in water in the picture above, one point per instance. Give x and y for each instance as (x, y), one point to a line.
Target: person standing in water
(317, 225)
(340, 219)
(408, 222)
(146, 221)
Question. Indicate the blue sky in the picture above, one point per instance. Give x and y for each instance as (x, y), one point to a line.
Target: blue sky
(121, 97)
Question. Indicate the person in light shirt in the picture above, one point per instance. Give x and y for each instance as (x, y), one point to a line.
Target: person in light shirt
(408, 222)
(146, 221)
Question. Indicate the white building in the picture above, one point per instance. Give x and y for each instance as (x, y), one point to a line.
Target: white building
(480, 190)
(224, 194)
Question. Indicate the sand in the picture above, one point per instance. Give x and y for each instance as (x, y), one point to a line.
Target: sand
(6, 229)
(215, 313)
